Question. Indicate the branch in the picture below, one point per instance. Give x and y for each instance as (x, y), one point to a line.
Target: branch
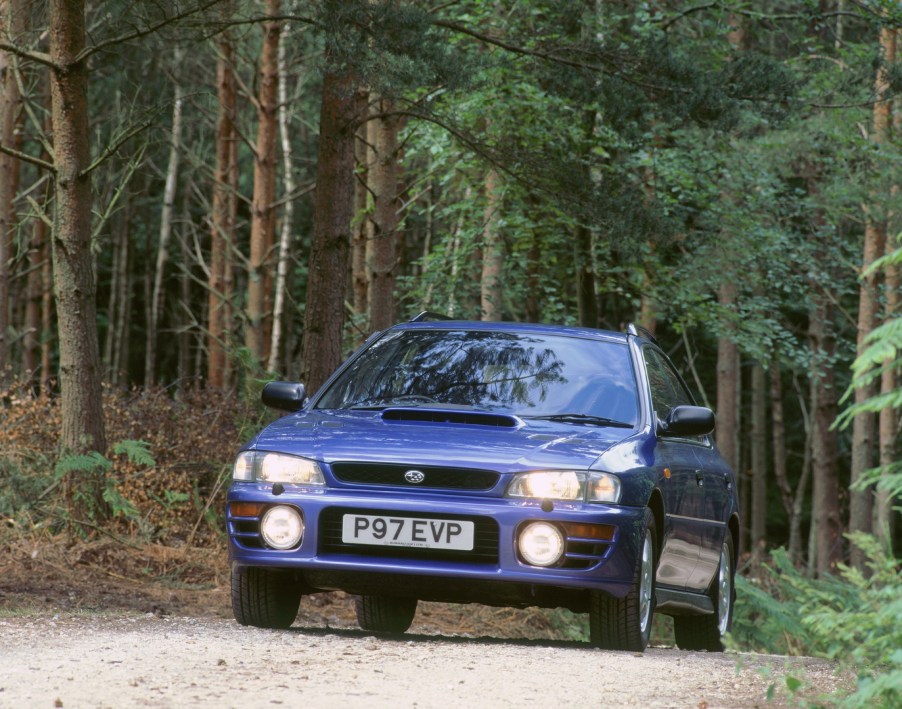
(25, 157)
(150, 29)
(39, 57)
(111, 149)
(546, 56)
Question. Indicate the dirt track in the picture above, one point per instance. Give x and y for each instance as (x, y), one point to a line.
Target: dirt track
(147, 661)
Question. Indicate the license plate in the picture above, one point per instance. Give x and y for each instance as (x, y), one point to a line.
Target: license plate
(385, 530)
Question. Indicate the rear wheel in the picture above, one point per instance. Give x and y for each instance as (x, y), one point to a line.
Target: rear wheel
(706, 632)
(385, 614)
(625, 623)
(265, 598)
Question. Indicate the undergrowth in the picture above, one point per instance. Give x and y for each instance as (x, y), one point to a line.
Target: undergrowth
(852, 617)
(165, 474)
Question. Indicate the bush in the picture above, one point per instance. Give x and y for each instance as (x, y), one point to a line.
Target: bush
(853, 618)
(166, 471)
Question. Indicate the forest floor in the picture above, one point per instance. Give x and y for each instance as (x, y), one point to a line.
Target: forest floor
(38, 576)
(155, 624)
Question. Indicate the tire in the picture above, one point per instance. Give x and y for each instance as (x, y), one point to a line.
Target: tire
(265, 598)
(625, 623)
(706, 632)
(385, 614)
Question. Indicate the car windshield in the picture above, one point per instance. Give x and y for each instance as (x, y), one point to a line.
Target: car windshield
(573, 379)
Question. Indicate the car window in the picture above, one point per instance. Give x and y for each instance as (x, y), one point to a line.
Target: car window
(667, 390)
(525, 374)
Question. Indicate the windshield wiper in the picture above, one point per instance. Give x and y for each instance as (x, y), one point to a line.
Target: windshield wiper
(583, 418)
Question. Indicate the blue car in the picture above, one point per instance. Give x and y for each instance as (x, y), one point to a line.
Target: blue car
(507, 464)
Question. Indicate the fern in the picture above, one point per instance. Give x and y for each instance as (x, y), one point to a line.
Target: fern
(81, 463)
(137, 452)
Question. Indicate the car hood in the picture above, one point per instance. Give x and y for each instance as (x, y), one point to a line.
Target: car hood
(420, 437)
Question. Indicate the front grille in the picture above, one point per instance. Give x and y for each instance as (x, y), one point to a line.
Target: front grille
(485, 541)
(436, 477)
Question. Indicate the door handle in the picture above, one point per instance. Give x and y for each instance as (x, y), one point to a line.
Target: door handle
(727, 481)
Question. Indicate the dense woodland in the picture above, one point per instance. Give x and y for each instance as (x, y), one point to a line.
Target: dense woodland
(208, 193)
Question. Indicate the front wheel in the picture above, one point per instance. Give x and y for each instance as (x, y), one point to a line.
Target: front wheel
(265, 598)
(706, 632)
(625, 623)
(385, 614)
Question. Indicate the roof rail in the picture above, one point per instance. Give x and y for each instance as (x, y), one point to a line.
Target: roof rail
(639, 331)
(428, 316)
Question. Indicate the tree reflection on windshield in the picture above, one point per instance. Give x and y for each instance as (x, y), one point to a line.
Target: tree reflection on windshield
(514, 372)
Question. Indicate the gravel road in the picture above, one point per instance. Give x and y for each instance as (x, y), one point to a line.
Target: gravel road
(146, 661)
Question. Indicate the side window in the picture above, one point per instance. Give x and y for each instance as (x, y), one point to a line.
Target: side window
(667, 390)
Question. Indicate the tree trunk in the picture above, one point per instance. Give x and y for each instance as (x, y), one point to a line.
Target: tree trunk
(80, 369)
(778, 435)
(492, 251)
(864, 425)
(12, 24)
(884, 516)
(382, 178)
(823, 441)
(157, 298)
(275, 345)
(324, 314)
(263, 205)
(362, 156)
(759, 461)
(728, 383)
(31, 345)
(218, 311)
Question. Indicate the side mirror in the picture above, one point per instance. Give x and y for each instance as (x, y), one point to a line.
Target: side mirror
(286, 396)
(688, 421)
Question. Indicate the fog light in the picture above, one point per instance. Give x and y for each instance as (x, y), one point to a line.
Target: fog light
(541, 544)
(282, 527)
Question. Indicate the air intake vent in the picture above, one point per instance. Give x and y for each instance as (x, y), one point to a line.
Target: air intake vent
(472, 418)
(434, 477)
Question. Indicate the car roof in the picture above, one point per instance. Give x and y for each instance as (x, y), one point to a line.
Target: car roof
(517, 327)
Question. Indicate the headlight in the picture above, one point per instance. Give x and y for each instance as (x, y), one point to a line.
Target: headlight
(282, 527)
(276, 468)
(566, 485)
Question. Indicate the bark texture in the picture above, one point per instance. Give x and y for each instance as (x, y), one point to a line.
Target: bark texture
(12, 21)
(864, 425)
(324, 316)
(263, 205)
(492, 250)
(222, 224)
(157, 302)
(81, 410)
(382, 253)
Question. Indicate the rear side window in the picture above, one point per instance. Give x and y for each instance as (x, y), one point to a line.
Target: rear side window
(667, 390)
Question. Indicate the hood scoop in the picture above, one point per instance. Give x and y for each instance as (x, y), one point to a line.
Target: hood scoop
(467, 418)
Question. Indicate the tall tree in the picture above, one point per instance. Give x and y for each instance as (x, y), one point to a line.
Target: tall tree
(158, 296)
(12, 26)
(222, 222)
(333, 209)
(492, 304)
(263, 205)
(383, 180)
(83, 426)
(864, 425)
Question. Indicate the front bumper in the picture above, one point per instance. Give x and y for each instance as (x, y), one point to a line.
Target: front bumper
(492, 573)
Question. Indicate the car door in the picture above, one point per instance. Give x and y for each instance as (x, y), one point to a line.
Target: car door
(699, 515)
(683, 494)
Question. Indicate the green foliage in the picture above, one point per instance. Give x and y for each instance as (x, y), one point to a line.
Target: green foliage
(855, 618)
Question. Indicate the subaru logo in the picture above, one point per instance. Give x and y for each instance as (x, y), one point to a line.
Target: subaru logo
(415, 477)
